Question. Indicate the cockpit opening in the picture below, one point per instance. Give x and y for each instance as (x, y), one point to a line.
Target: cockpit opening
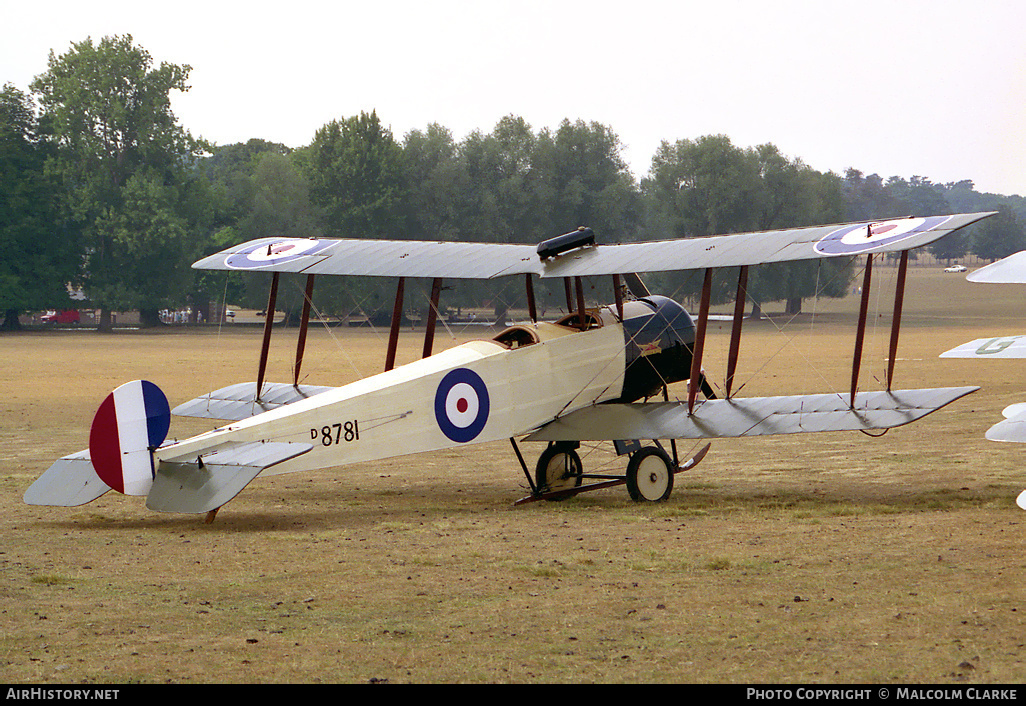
(592, 319)
(516, 337)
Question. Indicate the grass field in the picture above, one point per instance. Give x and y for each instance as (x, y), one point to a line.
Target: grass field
(816, 558)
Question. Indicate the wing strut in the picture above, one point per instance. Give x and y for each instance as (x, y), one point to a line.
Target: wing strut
(860, 332)
(272, 298)
(618, 291)
(735, 331)
(303, 325)
(530, 299)
(429, 333)
(899, 298)
(579, 287)
(393, 333)
(696, 356)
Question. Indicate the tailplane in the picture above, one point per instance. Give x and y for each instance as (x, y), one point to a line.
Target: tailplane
(131, 422)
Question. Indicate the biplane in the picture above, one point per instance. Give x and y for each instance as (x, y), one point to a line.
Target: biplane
(591, 375)
(1010, 270)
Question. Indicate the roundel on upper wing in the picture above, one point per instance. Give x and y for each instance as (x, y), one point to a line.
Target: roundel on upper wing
(461, 405)
(268, 253)
(858, 238)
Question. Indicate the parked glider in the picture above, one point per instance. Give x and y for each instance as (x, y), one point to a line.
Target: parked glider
(1011, 270)
(587, 376)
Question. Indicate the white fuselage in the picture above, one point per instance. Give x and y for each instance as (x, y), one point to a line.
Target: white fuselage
(396, 413)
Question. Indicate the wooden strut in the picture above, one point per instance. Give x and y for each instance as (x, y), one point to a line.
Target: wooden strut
(696, 355)
(531, 308)
(569, 298)
(673, 442)
(582, 320)
(272, 298)
(618, 292)
(735, 332)
(303, 326)
(860, 332)
(429, 333)
(899, 299)
(393, 333)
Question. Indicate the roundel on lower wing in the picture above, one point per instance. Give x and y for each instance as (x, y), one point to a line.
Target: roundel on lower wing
(855, 239)
(131, 420)
(269, 253)
(461, 405)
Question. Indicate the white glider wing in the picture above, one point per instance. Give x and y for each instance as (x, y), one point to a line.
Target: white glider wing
(1011, 270)
(999, 347)
(1013, 428)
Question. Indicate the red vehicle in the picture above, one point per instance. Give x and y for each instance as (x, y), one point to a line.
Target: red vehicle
(68, 316)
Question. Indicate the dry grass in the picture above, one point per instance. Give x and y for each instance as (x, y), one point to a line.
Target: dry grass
(819, 558)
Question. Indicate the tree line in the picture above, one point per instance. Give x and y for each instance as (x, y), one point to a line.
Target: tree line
(105, 191)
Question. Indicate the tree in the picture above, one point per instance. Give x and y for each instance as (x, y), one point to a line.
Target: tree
(704, 187)
(586, 182)
(39, 261)
(432, 173)
(280, 204)
(708, 187)
(356, 176)
(998, 236)
(794, 195)
(122, 158)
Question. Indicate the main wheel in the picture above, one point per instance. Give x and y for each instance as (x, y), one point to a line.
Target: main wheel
(559, 468)
(648, 475)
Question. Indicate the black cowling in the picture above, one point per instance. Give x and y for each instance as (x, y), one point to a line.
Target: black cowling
(660, 337)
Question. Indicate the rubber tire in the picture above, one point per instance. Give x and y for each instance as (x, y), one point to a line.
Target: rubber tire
(545, 461)
(649, 476)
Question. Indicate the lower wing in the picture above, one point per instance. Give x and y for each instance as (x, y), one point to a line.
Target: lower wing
(755, 416)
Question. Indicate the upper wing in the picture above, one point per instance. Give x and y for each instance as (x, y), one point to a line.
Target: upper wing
(756, 416)
(455, 260)
(1011, 270)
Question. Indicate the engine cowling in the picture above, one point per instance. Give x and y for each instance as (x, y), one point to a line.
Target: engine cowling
(659, 335)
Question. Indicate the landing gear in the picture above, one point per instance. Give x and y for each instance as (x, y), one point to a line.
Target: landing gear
(559, 468)
(649, 475)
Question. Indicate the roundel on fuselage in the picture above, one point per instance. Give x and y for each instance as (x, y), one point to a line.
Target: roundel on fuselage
(461, 405)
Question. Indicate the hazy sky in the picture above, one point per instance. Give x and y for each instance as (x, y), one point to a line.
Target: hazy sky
(935, 88)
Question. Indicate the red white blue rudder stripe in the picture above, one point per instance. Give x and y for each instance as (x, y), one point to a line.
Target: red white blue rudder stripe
(130, 423)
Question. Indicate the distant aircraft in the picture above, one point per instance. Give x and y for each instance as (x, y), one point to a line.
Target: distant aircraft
(1011, 270)
(588, 376)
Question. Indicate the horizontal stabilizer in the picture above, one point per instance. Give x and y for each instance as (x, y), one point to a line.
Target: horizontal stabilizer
(755, 416)
(238, 402)
(207, 484)
(69, 482)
